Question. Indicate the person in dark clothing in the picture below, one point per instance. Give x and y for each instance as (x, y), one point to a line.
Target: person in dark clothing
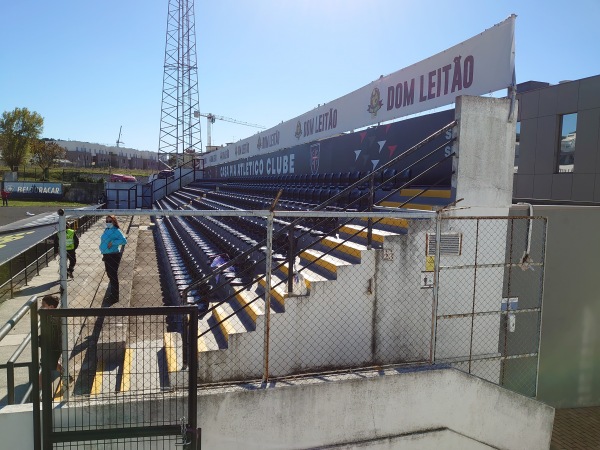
(5, 195)
(110, 242)
(72, 241)
(55, 344)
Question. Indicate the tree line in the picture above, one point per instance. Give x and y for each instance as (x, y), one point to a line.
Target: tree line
(20, 132)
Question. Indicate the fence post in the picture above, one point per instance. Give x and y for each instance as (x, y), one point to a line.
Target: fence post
(35, 381)
(193, 377)
(62, 248)
(25, 266)
(370, 219)
(268, 264)
(37, 259)
(62, 261)
(10, 382)
(10, 274)
(436, 282)
(291, 260)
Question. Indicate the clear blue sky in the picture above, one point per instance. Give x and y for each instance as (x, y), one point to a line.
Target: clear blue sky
(89, 67)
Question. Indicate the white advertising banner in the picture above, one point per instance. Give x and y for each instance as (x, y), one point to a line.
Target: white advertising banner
(483, 64)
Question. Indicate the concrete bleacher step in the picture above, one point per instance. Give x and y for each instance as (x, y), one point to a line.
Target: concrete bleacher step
(323, 263)
(426, 200)
(361, 232)
(131, 374)
(252, 302)
(229, 322)
(278, 291)
(105, 378)
(209, 332)
(310, 276)
(398, 226)
(347, 248)
(176, 374)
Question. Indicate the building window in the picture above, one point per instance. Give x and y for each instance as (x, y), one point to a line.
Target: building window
(517, 142)
(566, 149)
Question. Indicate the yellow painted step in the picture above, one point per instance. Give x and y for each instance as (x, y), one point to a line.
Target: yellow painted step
(361, 231)
(277, 293)
(253, 309)
(98, 378)
(170, 345)
(309, 275)
(226, 326)
(431, 193)
(391, 221)
(407, 206)
(328, 262)
(202, 346)
(58, 393)
(347, 247)
(126, 373)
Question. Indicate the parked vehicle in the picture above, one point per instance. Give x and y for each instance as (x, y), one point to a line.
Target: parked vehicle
(122, 178)
(166, 174)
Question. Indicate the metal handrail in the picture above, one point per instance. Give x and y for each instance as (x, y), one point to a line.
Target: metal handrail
(25, 269)
(322, 206)
(84, 226)
(4, 331)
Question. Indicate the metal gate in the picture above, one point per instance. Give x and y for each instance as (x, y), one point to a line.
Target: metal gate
(147, 195)
(474, 328)
(128, 378)
(123, 198)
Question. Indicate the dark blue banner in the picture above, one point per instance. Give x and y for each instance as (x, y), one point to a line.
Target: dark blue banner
(364, 150)
(33, 190)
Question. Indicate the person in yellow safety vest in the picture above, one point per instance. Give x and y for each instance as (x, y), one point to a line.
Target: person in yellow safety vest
(72, 242)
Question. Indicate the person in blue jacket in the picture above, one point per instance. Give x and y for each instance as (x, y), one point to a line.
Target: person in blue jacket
(110, 242)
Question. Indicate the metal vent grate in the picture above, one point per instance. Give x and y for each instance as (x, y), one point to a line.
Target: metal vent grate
(451, 244)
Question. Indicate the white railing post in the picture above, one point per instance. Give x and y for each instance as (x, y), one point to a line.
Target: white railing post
(64, 300)
(436, 282)
(268, 268)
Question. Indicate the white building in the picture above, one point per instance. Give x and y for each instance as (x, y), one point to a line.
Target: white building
(86, 154)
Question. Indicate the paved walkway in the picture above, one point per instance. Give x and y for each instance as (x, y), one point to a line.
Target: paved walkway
(88, 289)
(576, 429)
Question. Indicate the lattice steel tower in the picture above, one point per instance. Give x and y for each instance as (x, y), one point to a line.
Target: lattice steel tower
(180, 131)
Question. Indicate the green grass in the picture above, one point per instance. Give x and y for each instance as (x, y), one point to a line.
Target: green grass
(20, 203)
(59, 174)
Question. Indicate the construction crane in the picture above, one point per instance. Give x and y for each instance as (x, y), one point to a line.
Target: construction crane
(119, 141)
(211, 118)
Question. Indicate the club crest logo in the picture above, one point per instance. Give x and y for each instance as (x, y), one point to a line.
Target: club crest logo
(375, 104)
(315, 156)
(298, 132)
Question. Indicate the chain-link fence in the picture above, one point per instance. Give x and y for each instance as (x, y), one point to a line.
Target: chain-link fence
(489, 297)
(114, 368)
(290, 292)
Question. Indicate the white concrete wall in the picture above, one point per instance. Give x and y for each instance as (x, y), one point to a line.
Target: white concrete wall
(423, 409)
(485, 147)
(403, 308)
(330, 328)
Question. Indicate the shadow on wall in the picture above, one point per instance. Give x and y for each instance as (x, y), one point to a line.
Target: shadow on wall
(83, 192)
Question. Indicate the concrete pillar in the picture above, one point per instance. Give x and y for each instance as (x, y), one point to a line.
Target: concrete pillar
(485, 148)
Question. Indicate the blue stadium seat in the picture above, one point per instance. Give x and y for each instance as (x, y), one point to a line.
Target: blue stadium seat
(385, 176)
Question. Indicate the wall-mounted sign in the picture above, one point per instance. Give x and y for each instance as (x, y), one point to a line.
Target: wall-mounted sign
(480, 65)
(27, 189)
